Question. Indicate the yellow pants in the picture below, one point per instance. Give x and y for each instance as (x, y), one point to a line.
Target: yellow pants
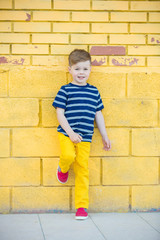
(79, 154)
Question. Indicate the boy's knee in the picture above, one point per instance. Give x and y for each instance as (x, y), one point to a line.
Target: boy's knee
(69, 156)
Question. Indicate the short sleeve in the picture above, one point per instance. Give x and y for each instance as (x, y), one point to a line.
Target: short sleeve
(99, 103)
(60, 99)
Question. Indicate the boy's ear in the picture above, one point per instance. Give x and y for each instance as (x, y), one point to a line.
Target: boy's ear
(69, 69)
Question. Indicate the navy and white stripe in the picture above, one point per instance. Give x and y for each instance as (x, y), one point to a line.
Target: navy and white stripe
(80, 104)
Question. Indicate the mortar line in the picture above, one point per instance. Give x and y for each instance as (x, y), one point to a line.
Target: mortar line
(90, 5)
(41, 227)
(98, 228)
(52, 4)
(70, 16)
(147, 223)
(13, 4)
(147, 16)
(129, 6)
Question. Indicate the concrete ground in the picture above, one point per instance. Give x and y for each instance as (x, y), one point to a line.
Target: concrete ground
(99, 226)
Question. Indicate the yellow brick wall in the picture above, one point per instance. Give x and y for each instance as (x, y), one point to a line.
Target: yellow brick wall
(123, 38)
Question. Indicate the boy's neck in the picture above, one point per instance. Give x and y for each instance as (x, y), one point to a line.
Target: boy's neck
(79, 84)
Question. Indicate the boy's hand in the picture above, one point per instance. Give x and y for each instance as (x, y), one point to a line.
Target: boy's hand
(106, 143)
(75, 137)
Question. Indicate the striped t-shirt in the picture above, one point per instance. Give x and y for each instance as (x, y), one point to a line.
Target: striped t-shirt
(80, 104)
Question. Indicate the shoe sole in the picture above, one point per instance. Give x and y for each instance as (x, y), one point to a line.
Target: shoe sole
(80, 218)
(59, 180)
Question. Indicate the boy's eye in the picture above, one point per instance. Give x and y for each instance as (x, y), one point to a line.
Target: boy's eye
(77, 69)
(86, 69)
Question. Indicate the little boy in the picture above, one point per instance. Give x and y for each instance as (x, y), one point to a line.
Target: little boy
(77, 105)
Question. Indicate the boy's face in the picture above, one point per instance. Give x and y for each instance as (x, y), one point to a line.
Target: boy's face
(80, 72)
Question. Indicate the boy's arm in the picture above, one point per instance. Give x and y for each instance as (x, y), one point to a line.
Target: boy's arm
(101, 126)
(76, 138)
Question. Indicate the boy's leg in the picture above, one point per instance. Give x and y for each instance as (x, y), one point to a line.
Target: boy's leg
(67, 155)
(82, 175)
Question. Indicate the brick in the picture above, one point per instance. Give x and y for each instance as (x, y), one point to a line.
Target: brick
(50, 38)
(14, 38)
(130, 170)
(4, 49)
(36, 83)
(127, 39)
(109, 199)
(116, 135)
(146, 198)
(99, 60)
(154, 17)
(51, 16)
(109, 28)
(71, 27)
(20, 171)
(89, 38)
(124, 112)
(29, 49)
(127, 61)
(94, 171)
(49, 117)
(35, 142)
(146, 142)
(90, 16)
(5, 27)
(4, 4)
(71, 5)
(144, 28)
(128, 17)
(32, 27)
(143, 85)
(19, 112)
(107, 50)
(115, 83)
(153, 39)
(65, 49)
(4, 200)
(3, 84)
(42, 199)
(153, 61)
(144, 50)
(33, 4)
(5, 143)
(15, 60)
(50, 60)
(110, 5)
(148, 6)
(14, 15)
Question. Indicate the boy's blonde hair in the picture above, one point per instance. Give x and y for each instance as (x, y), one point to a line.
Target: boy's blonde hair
(78, 55)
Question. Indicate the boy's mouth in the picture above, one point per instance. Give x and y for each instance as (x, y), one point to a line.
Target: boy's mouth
(81, 77)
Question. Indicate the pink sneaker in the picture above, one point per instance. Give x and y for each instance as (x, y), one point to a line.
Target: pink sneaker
(81, 214)
(62, 177)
